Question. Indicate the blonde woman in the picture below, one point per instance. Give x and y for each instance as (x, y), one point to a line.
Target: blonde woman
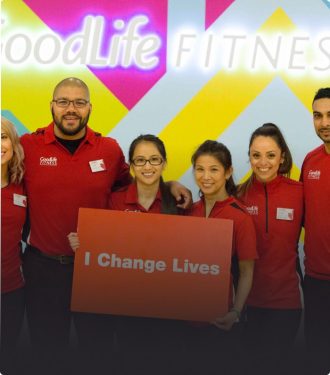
(13, 213)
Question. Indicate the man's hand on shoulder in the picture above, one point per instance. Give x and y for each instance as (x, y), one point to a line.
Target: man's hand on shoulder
(182, 195)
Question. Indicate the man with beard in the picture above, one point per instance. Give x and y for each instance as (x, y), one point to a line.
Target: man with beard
(68, 166)
(315, 175)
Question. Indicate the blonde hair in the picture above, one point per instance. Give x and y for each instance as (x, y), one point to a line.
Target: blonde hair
(15, 165)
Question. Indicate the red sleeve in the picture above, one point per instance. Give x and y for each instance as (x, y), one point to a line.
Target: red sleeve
(245, 241)
(124, 177)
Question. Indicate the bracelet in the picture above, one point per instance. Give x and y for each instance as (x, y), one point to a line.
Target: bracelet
(237, 312)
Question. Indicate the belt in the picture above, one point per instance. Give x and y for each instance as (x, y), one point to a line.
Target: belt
(63, 259)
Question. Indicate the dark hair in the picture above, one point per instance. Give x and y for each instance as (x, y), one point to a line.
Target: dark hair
(322, 93)
(168, 201)
(273, 131)
(222, 154)
(147, 138)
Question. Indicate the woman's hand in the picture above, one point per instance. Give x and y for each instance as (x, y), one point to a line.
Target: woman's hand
(74, 241)
(227, 321)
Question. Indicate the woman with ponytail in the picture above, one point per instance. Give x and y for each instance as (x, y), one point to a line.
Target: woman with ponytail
(215, 348)
(275, 203)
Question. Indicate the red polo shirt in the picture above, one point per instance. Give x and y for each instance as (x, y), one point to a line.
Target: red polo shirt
(13, 214)
(315, 175)
(126, 199)
(244, 236)
(58, 183)
(277, 211)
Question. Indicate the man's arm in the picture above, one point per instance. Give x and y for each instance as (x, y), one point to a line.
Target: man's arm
(181, 194)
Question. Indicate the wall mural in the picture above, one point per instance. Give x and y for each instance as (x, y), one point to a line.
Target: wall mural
(185, 70)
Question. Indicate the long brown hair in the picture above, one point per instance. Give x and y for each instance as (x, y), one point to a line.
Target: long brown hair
(15, 165)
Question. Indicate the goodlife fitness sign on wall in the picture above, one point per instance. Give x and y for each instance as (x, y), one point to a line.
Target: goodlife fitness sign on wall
(181, 69)
(136, 41)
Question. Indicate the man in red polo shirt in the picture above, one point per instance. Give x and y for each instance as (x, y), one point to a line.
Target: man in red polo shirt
(68, 166)
(315, 175)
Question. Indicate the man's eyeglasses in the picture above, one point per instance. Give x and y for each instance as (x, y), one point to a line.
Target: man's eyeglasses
(64, 103)
(154, 160)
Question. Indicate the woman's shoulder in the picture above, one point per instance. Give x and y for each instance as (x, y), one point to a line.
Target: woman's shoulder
(238, 212)
(293, 184)
(122, 190)
(291, 189)
(237, 207)
(16, 188)
(195, 209)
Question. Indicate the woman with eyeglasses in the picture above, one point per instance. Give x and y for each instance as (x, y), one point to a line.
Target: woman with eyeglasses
(148, 193)
(214, 347)
(13, 213)
(275, 203)
(146, 345)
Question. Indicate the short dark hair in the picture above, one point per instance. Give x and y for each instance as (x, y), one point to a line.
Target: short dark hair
(220, 152)
(322, 93)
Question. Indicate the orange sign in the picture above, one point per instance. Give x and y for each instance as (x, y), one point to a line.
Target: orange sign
(153, 265)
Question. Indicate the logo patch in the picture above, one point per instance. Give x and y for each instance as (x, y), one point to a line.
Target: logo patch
(51, 161)
(253, 210)
(314, 175)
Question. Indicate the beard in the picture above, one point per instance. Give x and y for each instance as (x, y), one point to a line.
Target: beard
(324, 138)
(70, 131)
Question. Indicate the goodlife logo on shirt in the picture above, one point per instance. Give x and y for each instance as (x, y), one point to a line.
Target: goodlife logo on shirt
(51, 162)
(314, 175)
(253, 210)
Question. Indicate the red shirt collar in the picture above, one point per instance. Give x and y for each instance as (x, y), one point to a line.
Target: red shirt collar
(50, 135)
(269, 185)
(217, 205)
(132, 195)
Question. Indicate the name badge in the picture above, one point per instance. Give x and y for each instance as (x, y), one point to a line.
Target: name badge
(284, 213)
(20, 200)
(97, 165)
